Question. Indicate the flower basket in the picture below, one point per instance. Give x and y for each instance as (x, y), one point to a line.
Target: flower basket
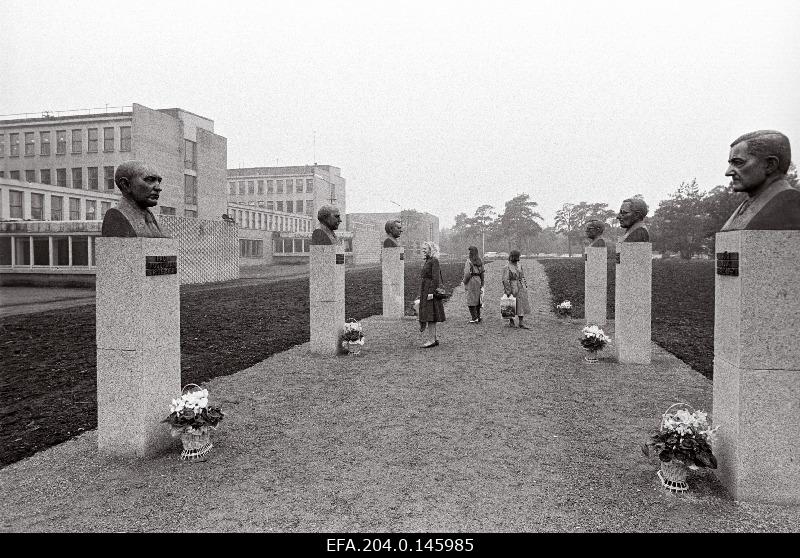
(673, 476)
(196, 443)
(192, 418)
(564, 309)
(352, 337)
(593, 340)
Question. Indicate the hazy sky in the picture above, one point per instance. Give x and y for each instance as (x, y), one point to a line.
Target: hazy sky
(438, 106)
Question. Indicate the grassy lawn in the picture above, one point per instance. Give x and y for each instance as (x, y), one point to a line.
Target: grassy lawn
(48, 379)
(683, 304)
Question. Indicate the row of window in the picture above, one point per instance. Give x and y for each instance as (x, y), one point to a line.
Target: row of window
(289, 206)
(47, 250)
(273, 186)
(301, 245)
(58, 212)
(76, 175)
(265, 221)
(77, 138)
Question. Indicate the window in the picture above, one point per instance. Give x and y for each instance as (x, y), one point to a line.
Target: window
(22, 250)
(41, 250)
(289, 207)
(14, 175)
(280, 206)
(61, 177)
(233, 187)
(309, 207)
(167, 210)
(189, 189)
(60, 250)
(14, 144)
(270, 187)
(333, 192)
(15, 204)
(241, 187)
(280, 186)
(105, 206)
(30, 176)
(260, 203)
(56, 208)
(309, 185)
(61, 142)
(30, 145)
(44, 176)
(260, 186)
(190, 154)
(251, 187)
(44, 143)
(2, 174)
(74, 209)
(5, 250)
(299, 206)
(77, 177)
(94, 179)
(271, 205)
(108, 139)
(189, 213)
(298, 186)
(91, 210)
(37, 207)
(91, 142)
(2, 145)
(77, 141)
(80, 250)
(251, 248)
(125, 138)
(108, 177)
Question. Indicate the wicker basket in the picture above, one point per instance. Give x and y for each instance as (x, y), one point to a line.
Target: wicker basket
(195, 445)
(673, 473)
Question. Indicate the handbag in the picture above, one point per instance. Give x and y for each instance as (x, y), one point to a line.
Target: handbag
(440, 292)
(508, 306)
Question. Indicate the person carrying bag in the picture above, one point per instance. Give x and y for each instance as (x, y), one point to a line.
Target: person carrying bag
(473, 284)
(515, 285)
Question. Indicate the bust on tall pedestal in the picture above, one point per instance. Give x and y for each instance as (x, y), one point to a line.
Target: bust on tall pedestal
(329, 220)
(140, 185)
(393, 228)
(594, 232)
(631, 218)
(757, 165)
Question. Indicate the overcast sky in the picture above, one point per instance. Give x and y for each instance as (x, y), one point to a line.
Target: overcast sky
(437, 106)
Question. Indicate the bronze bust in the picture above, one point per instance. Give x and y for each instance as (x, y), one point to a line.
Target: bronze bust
(631, 218)
(594, 232)
(757, 165)
(140, 185)
(329, 219)
(393, 228)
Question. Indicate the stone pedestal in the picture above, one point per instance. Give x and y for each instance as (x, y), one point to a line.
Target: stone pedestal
(326, 298)
(632, 305)
(757, 365)
(595, 284)
(138, 343)
(393, 272)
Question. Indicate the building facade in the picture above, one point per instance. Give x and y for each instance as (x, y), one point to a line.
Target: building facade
(418, 227)
(80, 153)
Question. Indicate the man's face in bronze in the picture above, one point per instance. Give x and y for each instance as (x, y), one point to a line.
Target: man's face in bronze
(332, 220)
(747, 171)
(144, 187)
(592, 231)
(396, 229)
(626, 216)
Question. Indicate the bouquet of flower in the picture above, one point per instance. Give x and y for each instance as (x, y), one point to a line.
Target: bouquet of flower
(352, 332)
(564, 309)
(686, 437)
(191, 413)
(593, 338)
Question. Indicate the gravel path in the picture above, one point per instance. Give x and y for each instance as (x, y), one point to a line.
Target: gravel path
(496, 430)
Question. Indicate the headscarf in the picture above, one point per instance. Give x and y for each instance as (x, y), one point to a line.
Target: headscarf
(434, 249)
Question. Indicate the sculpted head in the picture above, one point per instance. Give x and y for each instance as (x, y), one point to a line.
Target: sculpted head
(631, 212)
(138, 182)
(594, 229)
(757, 159)
(393, 228)
(329, 216)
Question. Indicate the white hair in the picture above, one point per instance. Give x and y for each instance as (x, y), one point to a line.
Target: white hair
(433, 248)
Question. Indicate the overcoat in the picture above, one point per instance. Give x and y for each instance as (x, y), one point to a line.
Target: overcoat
(473, 281)
(430, 279)
(514, 283)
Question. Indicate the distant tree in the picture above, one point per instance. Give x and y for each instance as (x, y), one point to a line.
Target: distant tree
(481, 224)
(680, 223)
(718, 205)
(549, 241)
(571, 220)
(791, 176)
(518, 222)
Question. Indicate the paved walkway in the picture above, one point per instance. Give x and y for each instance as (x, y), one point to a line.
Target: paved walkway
(495, 430)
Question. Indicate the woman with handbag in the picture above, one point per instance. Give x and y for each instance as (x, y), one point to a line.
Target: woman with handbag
(431, 294)
(514, 284)
(473, 284)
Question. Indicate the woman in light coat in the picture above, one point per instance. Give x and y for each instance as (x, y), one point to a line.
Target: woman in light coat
(514, 283)
(473, 284)
(431, 309)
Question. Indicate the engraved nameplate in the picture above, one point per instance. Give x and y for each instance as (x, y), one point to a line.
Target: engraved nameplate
(617, 257)
(401, 255)
(339, 258)
(728, 263)
(586, 257)
(160, 265)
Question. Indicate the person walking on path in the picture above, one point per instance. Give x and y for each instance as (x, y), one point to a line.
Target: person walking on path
(514, 284)
(473, 284)
(431, 309)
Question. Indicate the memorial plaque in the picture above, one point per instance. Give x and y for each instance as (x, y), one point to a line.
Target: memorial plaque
(617, 257)
(339, 258)
(160, 265)
(728, 263)
(401, 255)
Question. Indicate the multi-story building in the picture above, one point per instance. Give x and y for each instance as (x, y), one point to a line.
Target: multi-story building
(300, 190)
(72, 152)
(418, 227)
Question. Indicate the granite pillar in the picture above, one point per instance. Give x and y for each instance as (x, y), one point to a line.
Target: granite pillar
(393, 274)
(138, 343)
(757, 365)
(595, 284)
(632, 305)
(326, 298)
